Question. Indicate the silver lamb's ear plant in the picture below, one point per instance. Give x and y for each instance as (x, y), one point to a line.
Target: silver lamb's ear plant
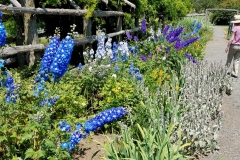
(202, 96)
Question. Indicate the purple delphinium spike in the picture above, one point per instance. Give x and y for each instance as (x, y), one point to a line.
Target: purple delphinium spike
(164, 31)
(144, 26)
(143, 58)
(188, 42)
(135, 38)
(168, 49)
(191, 58)
(129, 36)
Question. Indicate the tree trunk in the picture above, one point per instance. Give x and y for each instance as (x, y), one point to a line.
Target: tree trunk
(30, 31)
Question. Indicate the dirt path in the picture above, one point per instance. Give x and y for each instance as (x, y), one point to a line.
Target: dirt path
(229, 135)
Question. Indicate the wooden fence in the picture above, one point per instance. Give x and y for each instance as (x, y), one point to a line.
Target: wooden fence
(31, 35)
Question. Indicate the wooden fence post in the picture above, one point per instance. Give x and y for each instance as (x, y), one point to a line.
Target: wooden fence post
(19, 39)
(30, 31)
(87, 30)
(119, 25)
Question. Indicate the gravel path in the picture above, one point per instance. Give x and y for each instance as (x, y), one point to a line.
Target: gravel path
(229, 135)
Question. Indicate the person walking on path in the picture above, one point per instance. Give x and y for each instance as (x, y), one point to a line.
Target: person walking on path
(233, 47)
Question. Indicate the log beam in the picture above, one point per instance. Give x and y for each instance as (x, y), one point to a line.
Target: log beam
(15, 3)
(9, 51)
(130, 4)
(50, 11)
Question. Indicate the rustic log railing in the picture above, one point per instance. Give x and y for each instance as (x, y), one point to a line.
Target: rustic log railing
(50, 11)
(9, 51)
(20, 9)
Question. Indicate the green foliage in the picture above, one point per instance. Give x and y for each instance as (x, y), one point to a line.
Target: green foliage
(10, 26)
(54, 3)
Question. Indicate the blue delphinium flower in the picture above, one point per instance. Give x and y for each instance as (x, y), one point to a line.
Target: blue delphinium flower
(10, 94)
(75, 138)
(65, 145)
(131, 69)
(103, 118)
(62, 58)
(139, 77)
(2, 32)
(114, 56)
(101, 52)
(144, 26)
(123, 50)
(1, 63)
(48, 58)
(198, 26)
(80, 66)
(64, 126)
(78, 126)
(116, 68)
(49, 101)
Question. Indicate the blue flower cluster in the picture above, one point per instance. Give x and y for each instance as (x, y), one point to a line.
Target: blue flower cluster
(10, 94)
(135, 72)
(75, 137)
(124, 51)
(64, 126)
(90, 125)
(2, 32)
(2, 62)
(62, 57)
(103, 118)
(48, 58)
(49, 101)
(114, 56)
(101, 52)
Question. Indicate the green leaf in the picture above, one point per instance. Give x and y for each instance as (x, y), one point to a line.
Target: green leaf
(40, 153)
(2, 138)
(27, 136)
(29, 153)
(50, 143)
(94, 154)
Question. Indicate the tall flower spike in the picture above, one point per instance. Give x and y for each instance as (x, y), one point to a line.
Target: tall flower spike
(103, 118)
(62, 58)
(48, 58)
(144, 26)
(2, 32)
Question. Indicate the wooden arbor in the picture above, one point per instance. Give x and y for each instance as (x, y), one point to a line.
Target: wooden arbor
(33, 46)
